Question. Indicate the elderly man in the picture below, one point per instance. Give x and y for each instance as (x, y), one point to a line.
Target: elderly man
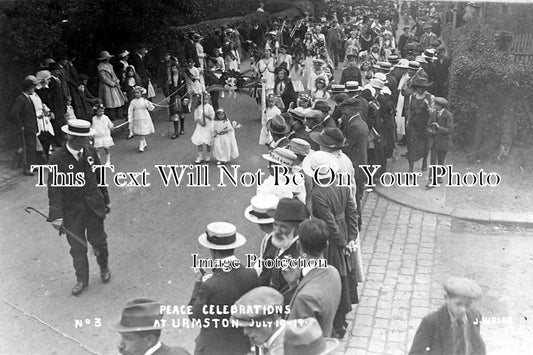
(318, 293)
(140, 330)
(455, 327)
(225, 286)
(262, 325)
(79, 211)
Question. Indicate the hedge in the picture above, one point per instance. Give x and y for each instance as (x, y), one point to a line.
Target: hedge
(489, 93)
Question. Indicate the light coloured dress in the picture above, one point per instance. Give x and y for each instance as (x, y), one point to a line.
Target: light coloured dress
(139, 117)
(224, 145)
(203, 134)
(102, 132)
(266, 115)
(296, 74)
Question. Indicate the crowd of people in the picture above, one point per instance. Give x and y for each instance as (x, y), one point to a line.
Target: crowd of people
(391, 91)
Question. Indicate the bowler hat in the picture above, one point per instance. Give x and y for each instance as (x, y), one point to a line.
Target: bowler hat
(290, 210)
(246, 311)
(221, 236)
(76, 127)
(420, 81)
(329, 137)
(278, 125)
(259, 206)
(305, 338)
(139, 315)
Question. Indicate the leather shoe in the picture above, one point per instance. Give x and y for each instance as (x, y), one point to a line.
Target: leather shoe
(105, 274)
(78, 288)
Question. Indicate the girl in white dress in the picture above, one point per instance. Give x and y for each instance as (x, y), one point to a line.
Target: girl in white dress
(102, 126)
(319, 92)
(140, 122)
(296, 74)
(194, 81)
(203, 133)
(266, 68)
(224, 142)
(270, 111)
(233, 60)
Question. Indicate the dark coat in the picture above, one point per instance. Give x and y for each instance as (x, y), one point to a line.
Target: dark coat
(350, 74)
(55, 100)
(223, 288)
(442, 140)
(329, 122)
(441, 72)
(23, 114)
(288, 95)
(301, 133)
(356, 133)
(191, 53)
(363, 108)
(138, 62)
(435, 334)
(69, 203)
(171, 350)
(318, 295)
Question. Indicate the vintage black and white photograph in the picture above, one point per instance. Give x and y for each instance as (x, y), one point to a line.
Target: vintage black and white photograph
(266, 177)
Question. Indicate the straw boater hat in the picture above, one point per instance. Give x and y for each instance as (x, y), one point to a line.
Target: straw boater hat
(352, 86)
(259, 206)
(337, 88)
(104, 55)
(382, 77)
(139, 315)
(281, 156)
(329, 137)
(221, 236)
(383, 66)
(305, 339)
(430, 53)
(421, 59)
(76, 127)
(414, 65)
(403, 64)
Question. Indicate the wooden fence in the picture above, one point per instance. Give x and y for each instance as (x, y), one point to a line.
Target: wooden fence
(522, 47)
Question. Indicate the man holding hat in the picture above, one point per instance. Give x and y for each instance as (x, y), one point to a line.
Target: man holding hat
(222, 289)
(80, 209)
(261, 324)
(351, 72)
(140, 330)
(455, 327)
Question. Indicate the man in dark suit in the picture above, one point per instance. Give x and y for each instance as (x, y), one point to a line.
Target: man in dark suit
(353, 90)
(190, 49)
(455, 327)
(323, 107)
(140, 329)
(226, 285)
(442, 66)
(351, 72)
(356, 132)
(318, 293)
(80, 207)
(137, 60)
(25, 119)
(53, 95)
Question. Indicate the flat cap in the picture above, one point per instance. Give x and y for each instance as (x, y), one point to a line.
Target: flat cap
(350, 102)
(314, 115)
(461, 286)
(441, 101)
(256, 304)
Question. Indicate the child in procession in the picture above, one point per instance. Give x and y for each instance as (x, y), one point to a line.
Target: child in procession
(202, 136)
(102, 126)
(224, 142)
(140, 122)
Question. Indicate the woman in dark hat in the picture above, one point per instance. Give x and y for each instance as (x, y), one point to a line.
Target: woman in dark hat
(418, 108)
(283, 86)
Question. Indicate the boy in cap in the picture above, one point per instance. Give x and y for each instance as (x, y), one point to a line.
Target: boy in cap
(351, 72)
(455, 327)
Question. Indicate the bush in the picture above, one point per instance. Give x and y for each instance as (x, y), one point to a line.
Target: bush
(489, 93)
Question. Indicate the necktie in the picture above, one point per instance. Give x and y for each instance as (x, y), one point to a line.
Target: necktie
(460, 337)
(79, 155)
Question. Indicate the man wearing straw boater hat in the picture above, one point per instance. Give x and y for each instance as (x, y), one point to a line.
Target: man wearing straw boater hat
(140, 329)
(229, 281)
(80, 209)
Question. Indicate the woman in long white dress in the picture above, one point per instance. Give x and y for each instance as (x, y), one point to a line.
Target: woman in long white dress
(266, 68)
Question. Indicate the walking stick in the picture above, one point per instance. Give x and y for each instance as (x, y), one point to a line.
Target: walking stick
(24, 156)
(62, 229)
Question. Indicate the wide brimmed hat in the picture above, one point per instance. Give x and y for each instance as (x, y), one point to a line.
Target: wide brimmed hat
(281, 156)
(305, 338)
(337, 88)
(382, 77)
(300, 146)
(403, 63)
(290, 210)
(259, 206)
(329, 137)
(76, 127)
(278, 125)
(221, 236)
(352, 86)
(104, 55)
(376, 83)
(139, 315)
(320, 164)
(420, 81)
(43, 75)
